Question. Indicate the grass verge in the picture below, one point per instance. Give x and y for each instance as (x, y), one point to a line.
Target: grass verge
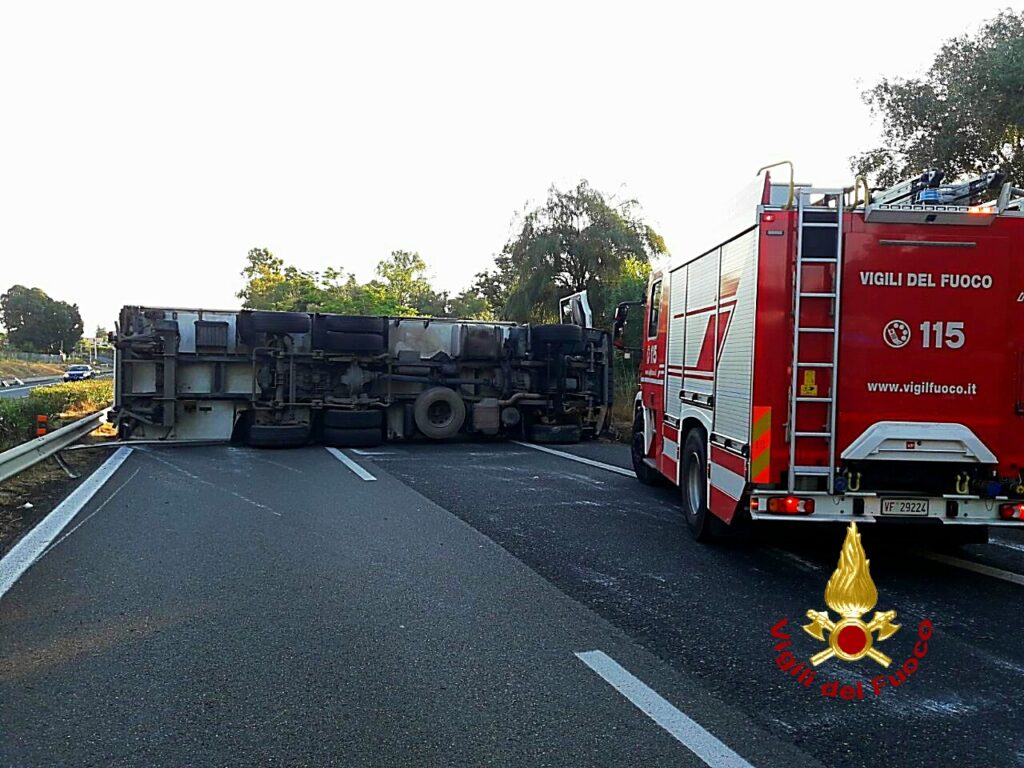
(58, 402)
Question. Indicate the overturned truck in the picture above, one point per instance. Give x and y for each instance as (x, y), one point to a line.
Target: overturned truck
(292, 378)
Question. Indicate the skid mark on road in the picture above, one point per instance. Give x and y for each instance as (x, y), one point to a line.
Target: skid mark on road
(198, 479)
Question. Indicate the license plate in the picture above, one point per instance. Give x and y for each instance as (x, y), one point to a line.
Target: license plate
(904, 507)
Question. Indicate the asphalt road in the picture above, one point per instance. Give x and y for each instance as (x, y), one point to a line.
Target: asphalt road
(226, 606)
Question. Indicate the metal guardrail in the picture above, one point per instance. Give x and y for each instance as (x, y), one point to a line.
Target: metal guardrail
(21, 457)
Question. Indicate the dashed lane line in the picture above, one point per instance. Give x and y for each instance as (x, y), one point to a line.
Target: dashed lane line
(350, 464)
(580, 459)
(683, 729)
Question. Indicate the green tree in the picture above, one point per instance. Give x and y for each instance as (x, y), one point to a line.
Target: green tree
(577, 240)
(966, 115)
(37, 323)
(405, 281)
(269, 284)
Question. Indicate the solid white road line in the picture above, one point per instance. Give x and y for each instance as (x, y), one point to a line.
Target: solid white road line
(91, 515)
(34, 543)
(350, 464)
(580, 459)
(967, 565)
(687, 732)
(1014, 545)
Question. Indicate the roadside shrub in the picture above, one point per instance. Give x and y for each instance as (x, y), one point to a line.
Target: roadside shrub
(73, 399)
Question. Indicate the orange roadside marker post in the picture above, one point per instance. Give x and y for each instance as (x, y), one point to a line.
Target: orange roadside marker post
(41, 421)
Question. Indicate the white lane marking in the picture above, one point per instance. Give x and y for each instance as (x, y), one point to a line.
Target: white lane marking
(685, 730)
(580, 459)
(967, 565)
(350, 464)
(91, 515)
(373, 453)
(34, 543)
(1007, 544)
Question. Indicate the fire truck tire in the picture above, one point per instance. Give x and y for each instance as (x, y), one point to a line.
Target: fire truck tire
(351, 323)
(556, 334)
(555, 434)
(278, 436)
(645, 473)
(353, 419)
(693, 483)
(338, 341)
(439, 413)
(353, 438)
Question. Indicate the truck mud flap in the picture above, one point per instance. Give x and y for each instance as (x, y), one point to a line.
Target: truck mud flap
(338, 419)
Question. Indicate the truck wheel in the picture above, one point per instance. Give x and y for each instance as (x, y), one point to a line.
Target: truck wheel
(353, 438)
(556, 334)
(555, 434)
(251, 324)
(693, 483)
(351, 323)
(340, 341)
(338, 419)
(645, 473)
(439, 413)
(278, 436)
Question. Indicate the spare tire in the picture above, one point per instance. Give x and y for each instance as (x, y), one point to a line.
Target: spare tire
(352, 323)
(439, 413)
(353, 438)
(338, 419)
(556, 334)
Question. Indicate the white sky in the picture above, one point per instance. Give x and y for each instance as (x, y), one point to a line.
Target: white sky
(145, 148)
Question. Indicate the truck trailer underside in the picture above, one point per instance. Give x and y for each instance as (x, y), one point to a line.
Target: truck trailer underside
(291, 378)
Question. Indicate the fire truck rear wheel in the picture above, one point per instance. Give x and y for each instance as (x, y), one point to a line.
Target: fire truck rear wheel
(439, 413)
(693, 484)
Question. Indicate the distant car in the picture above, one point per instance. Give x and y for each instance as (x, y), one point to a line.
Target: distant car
(79, 373)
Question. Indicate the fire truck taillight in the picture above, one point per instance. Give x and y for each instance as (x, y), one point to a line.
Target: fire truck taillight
(790, 505)
(1011, 511)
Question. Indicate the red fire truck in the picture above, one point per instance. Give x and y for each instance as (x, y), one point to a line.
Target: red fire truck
(837, 354)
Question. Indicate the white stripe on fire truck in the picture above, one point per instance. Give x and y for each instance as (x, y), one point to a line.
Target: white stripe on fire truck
(728, 482)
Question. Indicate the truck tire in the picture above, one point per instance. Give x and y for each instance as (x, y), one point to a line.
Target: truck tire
(278, 436)
(351, 324)
(556, 334)
(337, 419)
(693, 484)
(439, 413)
(339, 341)
(645, 473)
(555, 434)
(353, 438)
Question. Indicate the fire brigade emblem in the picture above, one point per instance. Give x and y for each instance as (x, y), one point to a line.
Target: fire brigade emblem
(851, 593)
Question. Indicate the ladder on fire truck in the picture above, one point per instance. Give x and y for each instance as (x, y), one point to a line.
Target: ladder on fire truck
(819, 220)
